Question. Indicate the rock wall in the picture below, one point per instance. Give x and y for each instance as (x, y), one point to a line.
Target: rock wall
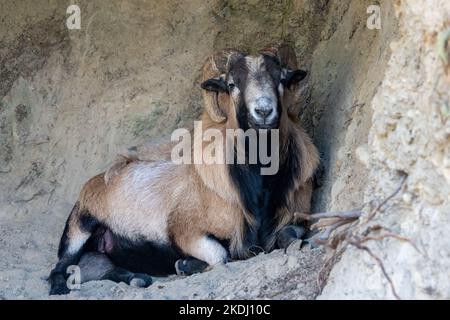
(71, 99)
(410, 134)
(347, 67)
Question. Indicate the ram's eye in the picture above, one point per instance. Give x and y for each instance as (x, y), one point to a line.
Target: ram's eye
(231, 86)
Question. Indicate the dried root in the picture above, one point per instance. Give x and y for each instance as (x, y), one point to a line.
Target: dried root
(336, 230)
(380, 264)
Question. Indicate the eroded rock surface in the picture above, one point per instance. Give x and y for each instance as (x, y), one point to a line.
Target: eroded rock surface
(376, 103)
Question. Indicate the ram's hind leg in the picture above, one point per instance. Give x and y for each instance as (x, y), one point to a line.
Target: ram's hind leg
(79, 227)
(97, 266)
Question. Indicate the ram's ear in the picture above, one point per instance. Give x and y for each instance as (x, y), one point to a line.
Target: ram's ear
(293, 77)
(215, 84)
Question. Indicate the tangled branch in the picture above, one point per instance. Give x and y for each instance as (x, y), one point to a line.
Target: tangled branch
(335, 228)
(380, 264)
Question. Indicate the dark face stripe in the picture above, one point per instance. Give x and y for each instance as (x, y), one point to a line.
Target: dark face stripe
(239, 73)
(255, 77)
(274, 69)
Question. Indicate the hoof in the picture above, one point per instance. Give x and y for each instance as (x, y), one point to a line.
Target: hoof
(288, 235)
(59, 289)
(58, 284)
(255, 250)
(186, 267)
(293, 247)
(141, 280)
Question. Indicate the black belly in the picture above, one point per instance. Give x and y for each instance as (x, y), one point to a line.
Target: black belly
(139, 256)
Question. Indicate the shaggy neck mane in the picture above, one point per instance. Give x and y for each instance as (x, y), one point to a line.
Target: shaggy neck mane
(261, 196)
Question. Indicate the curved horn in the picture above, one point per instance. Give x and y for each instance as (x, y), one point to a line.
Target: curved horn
(216, 65)
(287, 58)
(283, 52)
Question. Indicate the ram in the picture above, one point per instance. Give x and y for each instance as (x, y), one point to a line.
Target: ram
(153, 218)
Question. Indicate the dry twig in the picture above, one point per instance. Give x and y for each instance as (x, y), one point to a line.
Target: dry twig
(380, 264)
(352, 214)
(329, 223)
(391, 235)
(382, 203)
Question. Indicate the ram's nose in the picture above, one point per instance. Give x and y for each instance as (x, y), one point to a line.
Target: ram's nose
(264, 108)
(263, 111)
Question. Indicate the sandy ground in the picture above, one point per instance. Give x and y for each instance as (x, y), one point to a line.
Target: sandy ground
(278, 275)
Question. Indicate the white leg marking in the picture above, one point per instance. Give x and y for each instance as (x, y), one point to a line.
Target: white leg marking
(210, 251)
(76, 242)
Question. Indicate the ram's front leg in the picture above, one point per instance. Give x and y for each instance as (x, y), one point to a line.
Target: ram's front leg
(190, 265)
(288, 234)
(201, 251)
(252, 243)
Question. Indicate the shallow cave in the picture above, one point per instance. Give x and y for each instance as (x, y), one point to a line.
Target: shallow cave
(72, 99)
